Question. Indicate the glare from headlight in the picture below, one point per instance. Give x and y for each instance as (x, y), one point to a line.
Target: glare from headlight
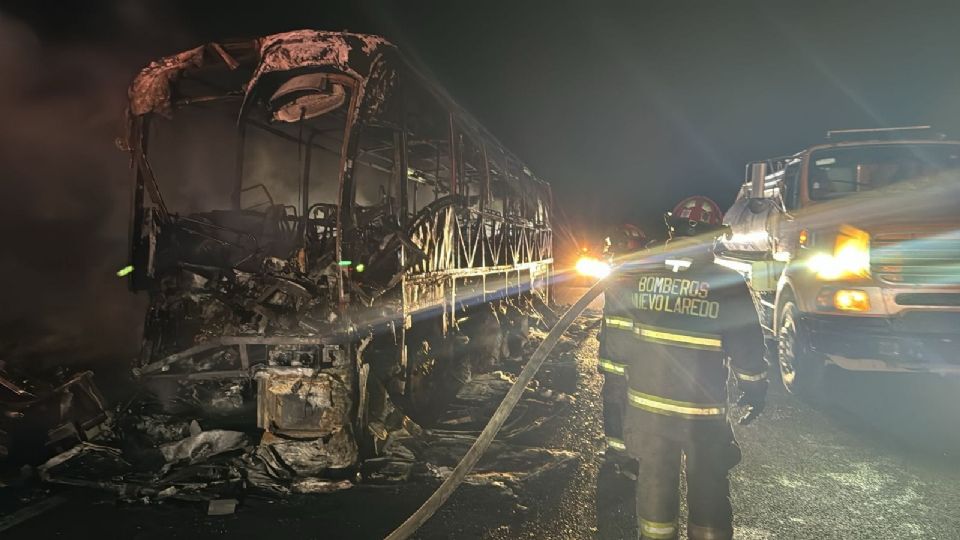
(848, 263)
(592, 267)
(850, 258)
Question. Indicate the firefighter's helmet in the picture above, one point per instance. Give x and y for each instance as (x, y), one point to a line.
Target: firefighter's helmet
(694, 215)
(625, 238)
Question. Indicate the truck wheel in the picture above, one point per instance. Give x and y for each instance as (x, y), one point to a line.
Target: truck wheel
(801, 370)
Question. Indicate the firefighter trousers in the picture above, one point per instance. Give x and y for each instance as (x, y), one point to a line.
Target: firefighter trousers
(614, 396)
(708, 488)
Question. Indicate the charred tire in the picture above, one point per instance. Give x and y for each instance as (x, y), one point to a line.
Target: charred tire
(801, 370)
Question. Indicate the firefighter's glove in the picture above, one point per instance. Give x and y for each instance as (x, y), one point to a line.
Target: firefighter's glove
(754, 398)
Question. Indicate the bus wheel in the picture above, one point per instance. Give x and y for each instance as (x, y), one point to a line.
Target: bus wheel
(801, 369)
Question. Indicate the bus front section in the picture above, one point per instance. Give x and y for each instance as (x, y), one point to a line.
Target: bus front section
(239, 151)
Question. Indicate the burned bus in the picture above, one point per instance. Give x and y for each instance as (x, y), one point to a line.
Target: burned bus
(328, 241)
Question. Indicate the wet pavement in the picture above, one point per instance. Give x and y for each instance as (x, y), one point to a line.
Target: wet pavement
(880, 460)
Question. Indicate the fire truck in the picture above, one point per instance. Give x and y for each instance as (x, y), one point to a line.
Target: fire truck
(852, 250)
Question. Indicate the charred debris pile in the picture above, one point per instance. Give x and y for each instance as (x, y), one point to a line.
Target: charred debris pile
(344, 271)
(191, 440)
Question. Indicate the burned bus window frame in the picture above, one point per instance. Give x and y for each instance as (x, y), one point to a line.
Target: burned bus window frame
(497, 190)
(427, 142)
(381, 112)
(471, 167)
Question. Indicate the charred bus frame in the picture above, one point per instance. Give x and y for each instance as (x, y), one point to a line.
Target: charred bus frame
(301, 296)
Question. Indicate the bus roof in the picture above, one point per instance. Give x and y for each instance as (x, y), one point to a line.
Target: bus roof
(350, 53)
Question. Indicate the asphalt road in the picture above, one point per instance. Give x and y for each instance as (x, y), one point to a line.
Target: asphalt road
(879, 457)
(880, 460)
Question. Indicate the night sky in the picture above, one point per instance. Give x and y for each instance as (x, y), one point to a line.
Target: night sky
(624, 107)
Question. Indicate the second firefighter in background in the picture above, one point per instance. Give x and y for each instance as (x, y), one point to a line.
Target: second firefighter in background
(622, 242)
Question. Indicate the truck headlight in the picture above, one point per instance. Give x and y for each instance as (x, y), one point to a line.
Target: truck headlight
(851, 300)
(850, 257)
(831, 298)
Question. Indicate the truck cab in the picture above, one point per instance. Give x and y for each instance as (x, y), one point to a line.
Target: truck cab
(852, 250)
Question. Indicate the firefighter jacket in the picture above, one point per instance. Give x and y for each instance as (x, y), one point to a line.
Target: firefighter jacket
(687, 316)
(616, 339)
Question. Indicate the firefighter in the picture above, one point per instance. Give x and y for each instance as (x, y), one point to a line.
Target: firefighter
(615, 344)
(687, 316)
(624, 239)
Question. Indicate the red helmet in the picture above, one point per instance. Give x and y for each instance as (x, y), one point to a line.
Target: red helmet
(693, 214)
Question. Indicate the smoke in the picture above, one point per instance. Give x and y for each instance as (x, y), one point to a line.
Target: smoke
(66, 187)
(64, 202)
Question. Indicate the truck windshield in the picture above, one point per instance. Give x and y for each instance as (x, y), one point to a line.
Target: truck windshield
(836, 172)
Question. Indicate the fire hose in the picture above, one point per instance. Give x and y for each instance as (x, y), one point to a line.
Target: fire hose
(466, 464)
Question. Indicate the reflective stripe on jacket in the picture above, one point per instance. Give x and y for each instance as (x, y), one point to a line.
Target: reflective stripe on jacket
(686, 319)
(680, 338)
(617, 338)
(680, 409)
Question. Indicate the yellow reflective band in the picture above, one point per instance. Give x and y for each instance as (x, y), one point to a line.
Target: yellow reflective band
(752, 378)
(707, 342)
(658, 529)
(619, 322)
(672, 407)
(612, 367)
(616, 443)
